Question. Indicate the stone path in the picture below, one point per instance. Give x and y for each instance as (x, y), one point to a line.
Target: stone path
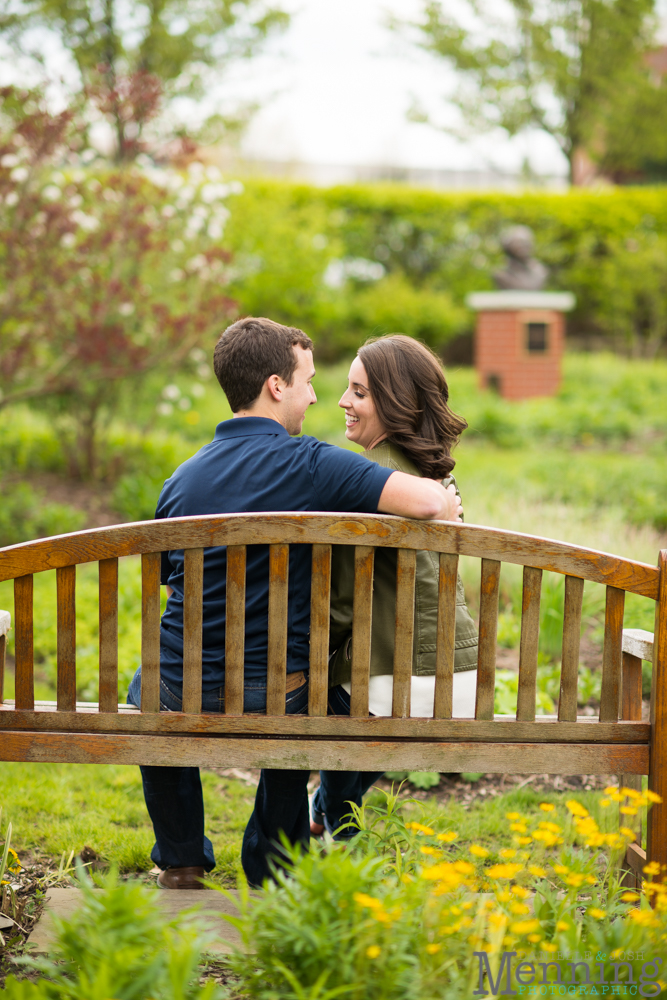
(63, 902)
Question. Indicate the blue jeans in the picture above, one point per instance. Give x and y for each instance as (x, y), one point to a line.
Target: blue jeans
(176, 806)
(331, 802)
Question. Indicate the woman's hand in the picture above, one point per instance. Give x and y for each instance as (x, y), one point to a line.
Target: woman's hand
(455, 506)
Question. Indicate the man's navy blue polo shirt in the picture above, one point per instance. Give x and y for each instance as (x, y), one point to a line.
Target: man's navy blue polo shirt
(253, 464)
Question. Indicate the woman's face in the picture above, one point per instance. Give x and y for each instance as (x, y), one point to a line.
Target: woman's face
(362, 424)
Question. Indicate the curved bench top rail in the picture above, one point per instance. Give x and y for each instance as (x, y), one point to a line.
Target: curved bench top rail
(325, 528)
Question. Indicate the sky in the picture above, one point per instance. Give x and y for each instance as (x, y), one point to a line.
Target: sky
(341, 85)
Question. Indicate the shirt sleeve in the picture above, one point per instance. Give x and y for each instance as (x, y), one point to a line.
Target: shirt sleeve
(345, 480)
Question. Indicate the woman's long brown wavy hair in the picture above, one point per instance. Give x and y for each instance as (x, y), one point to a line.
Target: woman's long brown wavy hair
(411, 396)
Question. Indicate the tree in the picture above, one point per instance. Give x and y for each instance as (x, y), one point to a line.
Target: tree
(104, 276)
(575, 69)
(122, 46)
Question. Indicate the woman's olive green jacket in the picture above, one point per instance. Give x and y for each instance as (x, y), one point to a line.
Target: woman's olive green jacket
(384, 601)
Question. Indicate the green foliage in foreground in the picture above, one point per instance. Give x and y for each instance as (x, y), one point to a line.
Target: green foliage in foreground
(398, 912)
(118, 944)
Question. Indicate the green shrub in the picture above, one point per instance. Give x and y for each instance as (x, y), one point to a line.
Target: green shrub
(118, 944)
(399, 912)
(608, 247)
(25, 515)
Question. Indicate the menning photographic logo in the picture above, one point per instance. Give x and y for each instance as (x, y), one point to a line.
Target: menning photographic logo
(534, 978)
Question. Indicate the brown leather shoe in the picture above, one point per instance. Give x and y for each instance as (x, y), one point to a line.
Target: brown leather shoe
(316, 829)
(181, 878)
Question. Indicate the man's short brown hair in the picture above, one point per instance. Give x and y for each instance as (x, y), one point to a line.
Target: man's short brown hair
(249, 352)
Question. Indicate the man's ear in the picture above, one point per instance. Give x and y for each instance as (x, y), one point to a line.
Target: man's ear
(274, 385)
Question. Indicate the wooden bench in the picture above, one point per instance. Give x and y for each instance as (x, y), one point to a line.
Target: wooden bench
(617, 742)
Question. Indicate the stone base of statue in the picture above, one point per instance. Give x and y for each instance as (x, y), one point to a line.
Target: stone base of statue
(519, 341)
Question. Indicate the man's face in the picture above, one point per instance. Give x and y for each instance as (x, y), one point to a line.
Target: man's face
(298, 396)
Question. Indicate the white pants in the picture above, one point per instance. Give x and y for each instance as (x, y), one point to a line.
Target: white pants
(422, 695)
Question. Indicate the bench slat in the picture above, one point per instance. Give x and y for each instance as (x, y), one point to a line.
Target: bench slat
(277, 639)
(406, 565)
(362, 610)
(488, 632)
(193, 585)
(530, 637)
(446, 636)
(108, 612)
(320, 600)
(150, 631)
(66, 640)
(235, 629)
(334, 754)
(612, 652)
(23, 642)
(569, 670)
(503, 729)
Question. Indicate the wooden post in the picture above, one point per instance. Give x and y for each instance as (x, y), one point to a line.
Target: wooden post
(5, 624)
(656, 845)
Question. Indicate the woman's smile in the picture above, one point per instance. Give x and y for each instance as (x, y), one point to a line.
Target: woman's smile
(362, 424)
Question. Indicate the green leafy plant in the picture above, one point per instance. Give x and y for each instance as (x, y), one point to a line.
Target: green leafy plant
(118, 943)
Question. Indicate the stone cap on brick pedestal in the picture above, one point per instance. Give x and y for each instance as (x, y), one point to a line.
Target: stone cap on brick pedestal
(512, 300)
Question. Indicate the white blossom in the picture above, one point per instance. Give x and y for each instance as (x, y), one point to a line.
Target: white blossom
(164, 409)
(68, 240)
(51, 192)
(12, 198)
(20, 174)
(197, 390)
(10, 160)
(171, 392)
(184, 403)
(126, 308)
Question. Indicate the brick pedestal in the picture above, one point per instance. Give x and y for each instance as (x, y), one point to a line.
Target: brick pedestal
(519, 341)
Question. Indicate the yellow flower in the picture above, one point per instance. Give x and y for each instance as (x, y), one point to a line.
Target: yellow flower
(652, 869)
(534, 938)
(521, 841)
(591, 879)
(576, 808)
(364, 900)
(448, 837)
(548, 946)
(433, 949)
(420, 828)
(562, 925)
(513, 815)
(596, 913)
(525, 926)
(507, 853)
(561, 869)
(537, 871)
(548, 825)
(546, 837)
(519, 909)
(652, 796)
(464, 867)
(611, 790)
(520, 892)
(628, 811)
(518, 827)
(547, 807)
(605, 802)
(429, 850)
(629, 897)
(503, 896)
(574, 879)
(645, 918)
(631, 793)
(503, 871)
(373, 951)
(478, 851)
(627, 832)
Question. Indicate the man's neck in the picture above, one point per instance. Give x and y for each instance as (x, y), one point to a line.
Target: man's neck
(260, 411)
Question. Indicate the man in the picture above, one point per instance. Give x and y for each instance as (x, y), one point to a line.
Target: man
(255, 463)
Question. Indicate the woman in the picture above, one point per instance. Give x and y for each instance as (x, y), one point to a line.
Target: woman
(396, 408)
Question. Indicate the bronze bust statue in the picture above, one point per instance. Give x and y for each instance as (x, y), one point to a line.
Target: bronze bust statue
(522, 271)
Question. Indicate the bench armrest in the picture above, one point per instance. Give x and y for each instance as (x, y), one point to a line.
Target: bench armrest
(638, 642)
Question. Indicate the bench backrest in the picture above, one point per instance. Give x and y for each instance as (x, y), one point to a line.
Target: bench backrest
(365, 533)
